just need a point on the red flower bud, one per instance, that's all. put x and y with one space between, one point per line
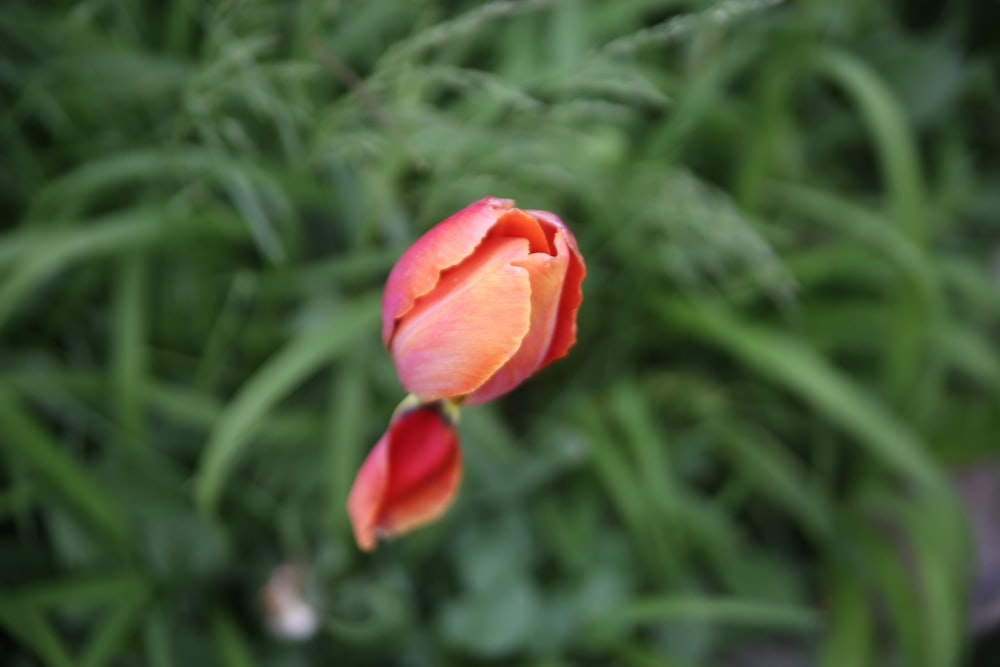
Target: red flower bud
482 301
410 477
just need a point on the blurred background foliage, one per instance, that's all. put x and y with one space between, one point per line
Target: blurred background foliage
789 213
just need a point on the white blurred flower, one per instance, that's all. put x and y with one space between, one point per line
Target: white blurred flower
286 611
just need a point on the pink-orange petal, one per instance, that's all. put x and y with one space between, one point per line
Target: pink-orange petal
564 335
410 477
444 246
518 224
454 339
364 503
547 274
552 223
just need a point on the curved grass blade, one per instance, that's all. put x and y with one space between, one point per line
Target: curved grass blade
34 446
81 591
232 647
734 612
240 179
45 254
870 228
917 310
31 628
793 364
128 362
890 130
767 465
849 638
790 362
107 640
302 357
345 436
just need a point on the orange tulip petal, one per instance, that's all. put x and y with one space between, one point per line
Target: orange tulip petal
547 274
410 477
454 339
518 224
365 499
564 334
446 245
552 223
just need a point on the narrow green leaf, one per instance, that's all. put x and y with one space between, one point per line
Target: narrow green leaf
653 476
201 411
972 283
882 552
299 359
916 311
229 642
45 254
889 128
849 638
62 197
648 446
874 231
635 655
32 444
778 476
261 226
128 362
346 428
157 640
790 362
618 479
17 498
732 612
970 352
179 26
229 319
931 592
110 635
80 591
30 627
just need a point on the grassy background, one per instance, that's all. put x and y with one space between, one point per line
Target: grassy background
789 216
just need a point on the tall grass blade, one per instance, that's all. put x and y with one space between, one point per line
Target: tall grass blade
790 362
31 628
299 359
27 440
128 365
730 612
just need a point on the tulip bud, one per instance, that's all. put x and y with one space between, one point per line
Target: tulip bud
410 477
482 301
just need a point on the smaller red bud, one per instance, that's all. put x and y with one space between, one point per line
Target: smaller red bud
410 477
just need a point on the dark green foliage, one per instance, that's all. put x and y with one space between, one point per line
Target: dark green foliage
789 215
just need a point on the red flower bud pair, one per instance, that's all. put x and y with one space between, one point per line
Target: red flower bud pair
477 305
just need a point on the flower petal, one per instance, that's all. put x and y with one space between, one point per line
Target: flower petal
564 335
454 339
446 245
410 477
547 274
364 503
518 224
423 484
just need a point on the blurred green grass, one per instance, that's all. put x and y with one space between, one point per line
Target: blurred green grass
788 338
